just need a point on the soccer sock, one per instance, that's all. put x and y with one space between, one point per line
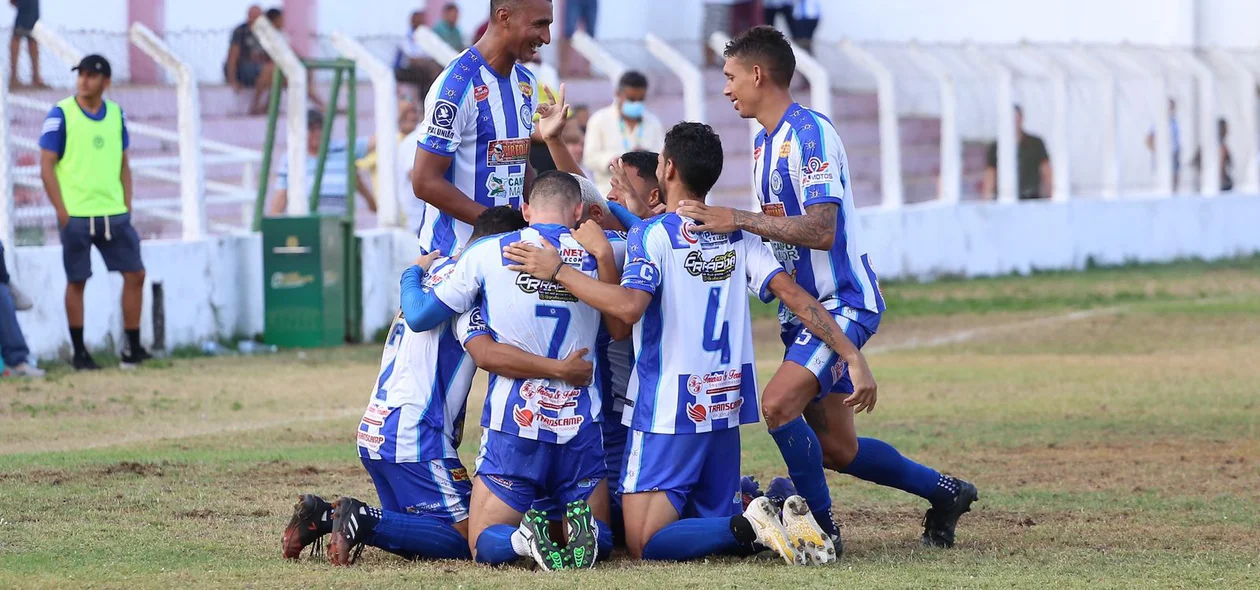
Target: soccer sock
878 462
495 545
693 538
133 340
605 539
412 535
803 455
76 339
325 524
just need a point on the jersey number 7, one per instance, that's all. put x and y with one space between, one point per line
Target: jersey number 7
561 315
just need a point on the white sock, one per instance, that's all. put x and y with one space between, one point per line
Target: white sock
519 543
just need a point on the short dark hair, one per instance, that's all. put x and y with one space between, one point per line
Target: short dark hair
632 79
497 4
497 220
274 13
450 5
314 118
642 161
767 47
696 152
555 185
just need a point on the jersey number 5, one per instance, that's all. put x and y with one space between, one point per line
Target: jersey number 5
713 341
561 315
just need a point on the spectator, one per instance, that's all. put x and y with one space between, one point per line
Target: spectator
624 126
87 177
27 14
582 116
575 141
332 189
1174 136
408 118
448 27
1036 179
411 207
262 90
412 64
246 61
772 9
580 11
805 17
13 348
1226 163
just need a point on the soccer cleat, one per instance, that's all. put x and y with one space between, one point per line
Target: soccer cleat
583 545
813 544
771 533
781 488
133 358
84 362
24 370
350 526
749 490
308 525
546 553
940 521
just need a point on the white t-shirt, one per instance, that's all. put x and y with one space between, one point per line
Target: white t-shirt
411 207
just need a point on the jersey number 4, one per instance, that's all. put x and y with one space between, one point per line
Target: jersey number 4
712 340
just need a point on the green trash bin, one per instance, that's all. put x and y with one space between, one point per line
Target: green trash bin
304 286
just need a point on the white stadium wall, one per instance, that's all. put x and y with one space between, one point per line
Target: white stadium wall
213 288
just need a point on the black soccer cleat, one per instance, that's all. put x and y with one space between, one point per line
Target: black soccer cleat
940 520
84 362
311 520
133 358
583 546
535 528
351 523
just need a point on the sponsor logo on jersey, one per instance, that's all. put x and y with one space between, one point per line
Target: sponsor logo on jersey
564 425
589 482
838 370
526 89
546 290
438 276
481 93
718 268
715 411
371 442
458 474
774 210
550 398
476 323
524 416
505 187
776 182
504 483
817 172
688 231
425 508
715 383
785 150
507 152
696 412
756 153
443 122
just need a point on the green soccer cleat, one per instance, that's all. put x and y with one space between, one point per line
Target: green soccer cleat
583 547
546 553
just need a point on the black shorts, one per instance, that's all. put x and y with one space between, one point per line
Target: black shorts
114 238
27 14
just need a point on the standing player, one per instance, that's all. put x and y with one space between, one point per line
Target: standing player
474 140
801 178
684 290
541 438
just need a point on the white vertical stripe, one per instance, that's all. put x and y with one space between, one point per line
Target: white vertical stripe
481 450
634 462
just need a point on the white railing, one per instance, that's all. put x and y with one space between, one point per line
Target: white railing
1007 168
819 80
949 188
889 129
433 45
1245 85
601 61
192 171
50 40
1210 155
295 74
6 174
1110 128
686 72
1059 147
384 93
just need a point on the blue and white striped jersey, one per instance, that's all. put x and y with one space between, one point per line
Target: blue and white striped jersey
539 317
699 313
802 163
482 121
416 411
615 357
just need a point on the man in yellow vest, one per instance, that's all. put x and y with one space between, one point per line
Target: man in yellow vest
86 175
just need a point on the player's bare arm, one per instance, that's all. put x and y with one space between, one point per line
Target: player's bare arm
816 229
430 184
48 173
592 237
511 362
626 305
126 181
820 322
553 117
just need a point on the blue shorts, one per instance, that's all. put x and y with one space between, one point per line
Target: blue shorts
698 472
519 470
439 488
806 350
614 445
114 238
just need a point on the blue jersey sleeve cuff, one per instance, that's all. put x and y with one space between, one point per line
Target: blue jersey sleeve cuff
822 200
764 293
627 219
637 286
436 151
473 334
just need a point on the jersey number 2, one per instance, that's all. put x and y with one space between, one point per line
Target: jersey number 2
561 315
712 340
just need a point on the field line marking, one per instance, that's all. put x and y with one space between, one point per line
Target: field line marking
968 334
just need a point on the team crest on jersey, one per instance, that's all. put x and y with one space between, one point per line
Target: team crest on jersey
776 182
526 90
527 116
546 290
688 232
817 172
508 152
476 323
481 93
785 150
718 268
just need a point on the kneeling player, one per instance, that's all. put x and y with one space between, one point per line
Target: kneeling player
686 288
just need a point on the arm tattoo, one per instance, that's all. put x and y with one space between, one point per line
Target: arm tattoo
816 229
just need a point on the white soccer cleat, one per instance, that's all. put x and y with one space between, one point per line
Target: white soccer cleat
764 518
810 541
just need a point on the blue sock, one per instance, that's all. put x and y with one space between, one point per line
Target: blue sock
605 539
878 462
692 538
494 546
413 535
803 454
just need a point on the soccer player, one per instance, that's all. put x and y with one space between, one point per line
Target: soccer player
802 180
474 139
541 438
694 382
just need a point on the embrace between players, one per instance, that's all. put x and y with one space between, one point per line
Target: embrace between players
641 443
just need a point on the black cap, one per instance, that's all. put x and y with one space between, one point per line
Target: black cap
93 64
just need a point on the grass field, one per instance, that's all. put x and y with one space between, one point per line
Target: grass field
1109 419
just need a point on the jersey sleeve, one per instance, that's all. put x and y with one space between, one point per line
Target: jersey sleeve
760 264
618 241
471 325
643 256
447 113
53 135
462 288
822 176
